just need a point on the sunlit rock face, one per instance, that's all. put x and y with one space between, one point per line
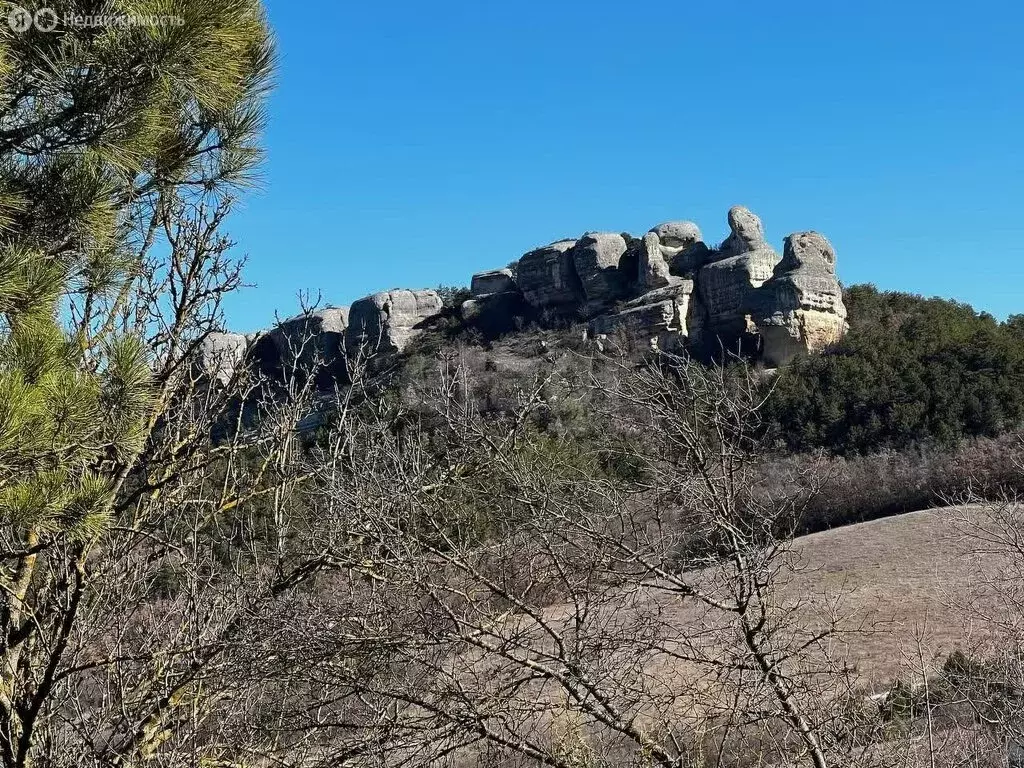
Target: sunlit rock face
728 283
800 308
220 354
388 321
654 270
598 260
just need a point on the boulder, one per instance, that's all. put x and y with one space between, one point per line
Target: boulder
682 247
660 317
800 309
387 321
492 281
470 310
654 270
728 283
547 277
746 233
676 237
677 245
313 342
220 355
597 260
678 234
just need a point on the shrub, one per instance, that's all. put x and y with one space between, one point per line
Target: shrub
911 371
857 489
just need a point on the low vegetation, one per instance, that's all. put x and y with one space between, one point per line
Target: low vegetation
911 372
517 552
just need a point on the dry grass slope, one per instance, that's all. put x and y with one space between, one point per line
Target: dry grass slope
899 577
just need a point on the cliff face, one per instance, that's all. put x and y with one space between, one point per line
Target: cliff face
677 293
668 288
801 307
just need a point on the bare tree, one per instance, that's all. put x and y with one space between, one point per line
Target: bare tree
529 605
982 695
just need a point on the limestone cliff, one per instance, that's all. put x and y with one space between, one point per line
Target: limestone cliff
801 306
668 289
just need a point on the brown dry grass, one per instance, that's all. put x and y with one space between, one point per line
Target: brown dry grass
897 578
905 584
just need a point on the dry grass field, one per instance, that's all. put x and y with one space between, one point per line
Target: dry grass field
909 590
899 579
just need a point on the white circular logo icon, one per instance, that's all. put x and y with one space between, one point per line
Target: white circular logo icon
46 20
19 19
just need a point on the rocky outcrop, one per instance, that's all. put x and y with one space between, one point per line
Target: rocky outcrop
220 354
597 259
497 303
661 317
728 283
682 247
547 277
492 281
320 333
319 343
654 270
495 313
800 309
677 236
668 289
746 233
672 248
670 285
386 322
309 343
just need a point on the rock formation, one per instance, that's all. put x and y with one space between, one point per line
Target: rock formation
682 246
597 258
728 282
668 289
494 281
220 354
547 277
386 322
661 316
306 338
801 306
654 269
497 302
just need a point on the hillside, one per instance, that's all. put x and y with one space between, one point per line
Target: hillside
918 572
905 600
663 498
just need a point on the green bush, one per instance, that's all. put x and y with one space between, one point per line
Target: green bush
911 371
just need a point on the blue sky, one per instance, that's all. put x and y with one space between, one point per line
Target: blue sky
414 143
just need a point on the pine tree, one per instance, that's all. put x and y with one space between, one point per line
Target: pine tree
119 148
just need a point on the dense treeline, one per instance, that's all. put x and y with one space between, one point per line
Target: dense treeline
911 371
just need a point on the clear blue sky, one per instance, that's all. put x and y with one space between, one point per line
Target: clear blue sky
413 143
